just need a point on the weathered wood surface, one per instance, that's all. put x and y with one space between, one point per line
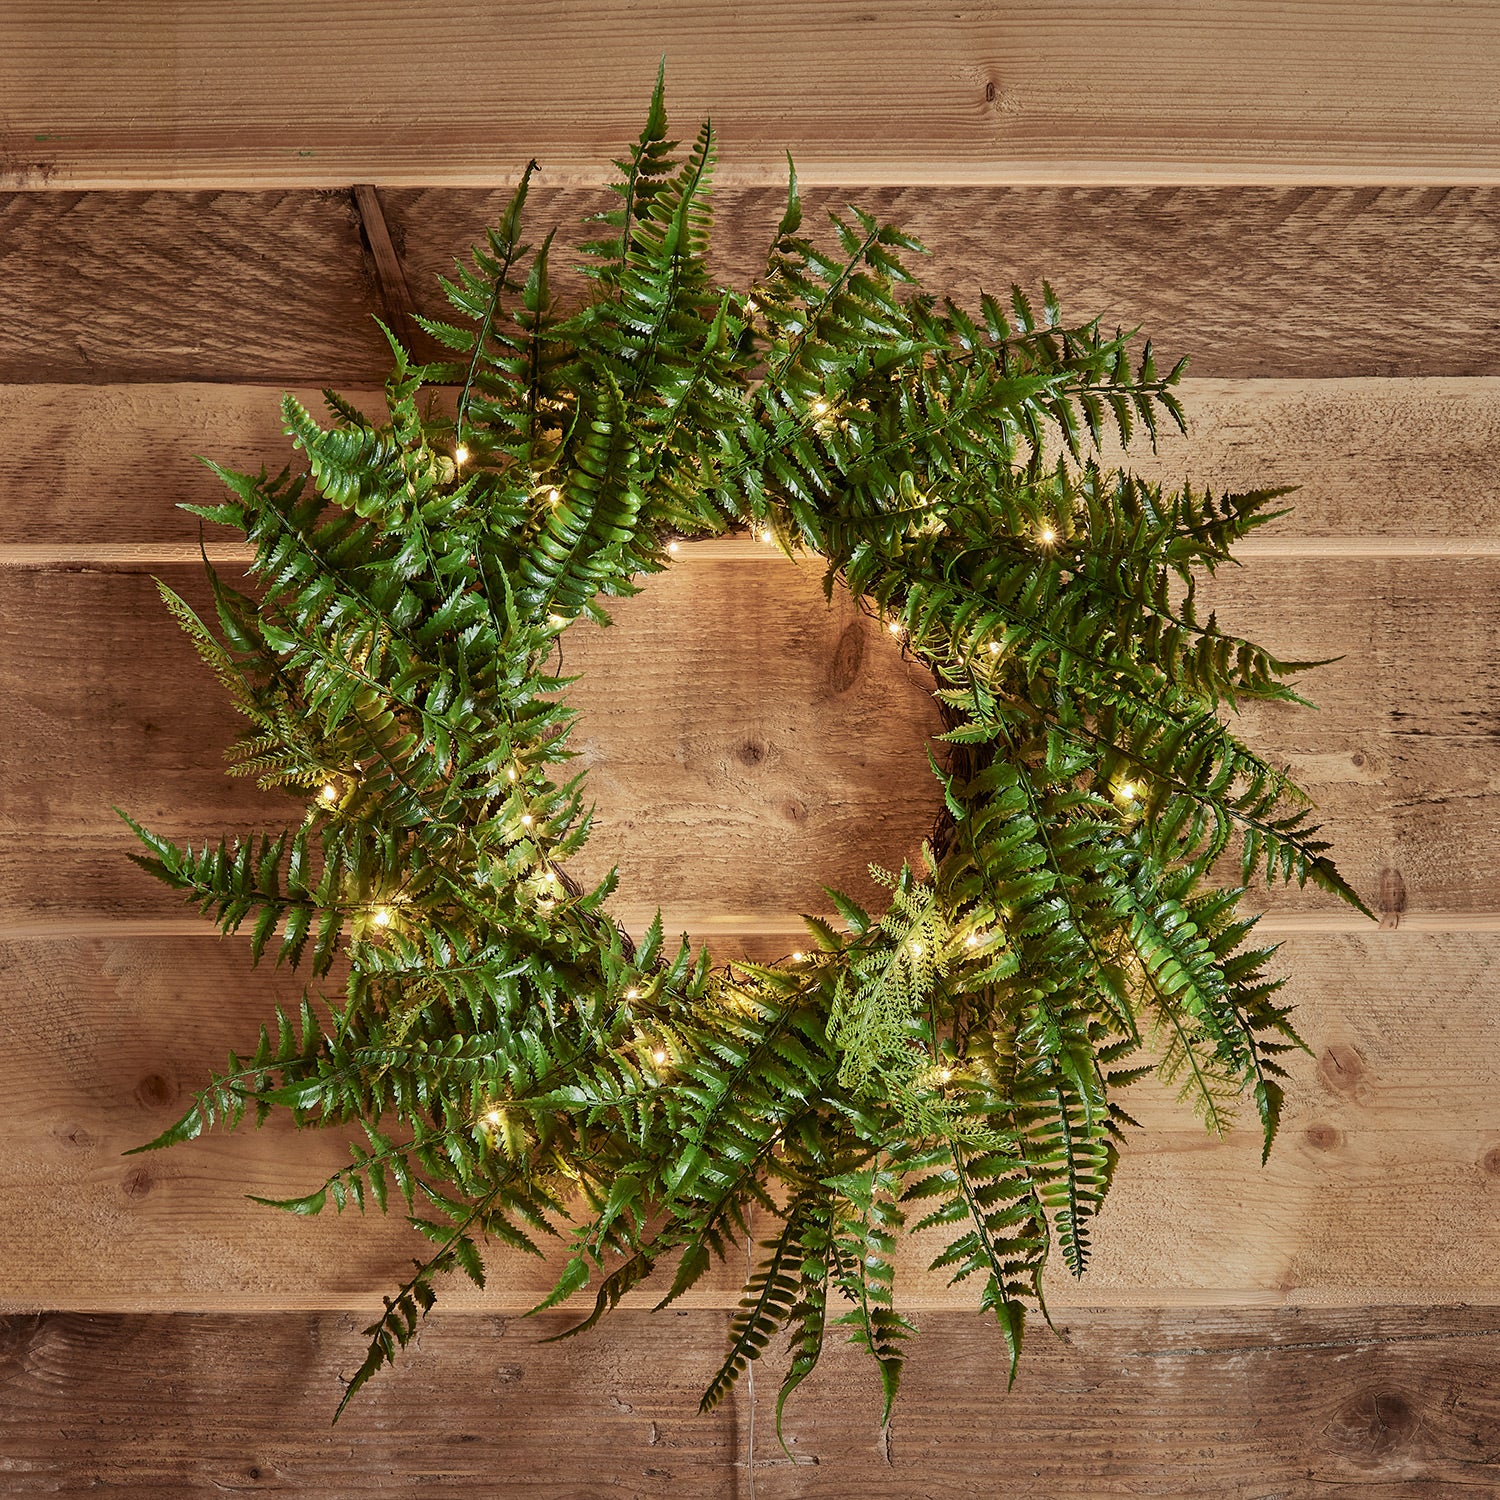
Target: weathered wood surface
1393 1118
731 714
1143 92
1383 464
1385 1181
277 287
810 761
1234 1404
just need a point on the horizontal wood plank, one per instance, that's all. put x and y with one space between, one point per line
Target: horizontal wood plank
751 727
1240 1405
1400 466
277 287
731 713
276 93
1393 1116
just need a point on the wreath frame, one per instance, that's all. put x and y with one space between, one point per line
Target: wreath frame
507 1048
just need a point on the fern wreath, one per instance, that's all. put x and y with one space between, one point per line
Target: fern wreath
519 1066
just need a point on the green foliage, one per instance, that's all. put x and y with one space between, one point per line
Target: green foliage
519 1067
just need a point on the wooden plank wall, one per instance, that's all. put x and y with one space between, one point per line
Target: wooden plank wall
1304 202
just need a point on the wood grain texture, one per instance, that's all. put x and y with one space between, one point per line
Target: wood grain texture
249 1400
102 287
1238 1405
271 92
732 724
1141 156
746 728
1387 464
106 1039
1307 282
276 286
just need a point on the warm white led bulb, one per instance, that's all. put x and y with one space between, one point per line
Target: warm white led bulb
382 917
994 648
672 547
526 820
1047 535
632 994
894 627
944 1074
916 947
820 408
971 941
554 495
766 535
658 1057
798 957
330 793
460 454
1127 790
510 775
492 1119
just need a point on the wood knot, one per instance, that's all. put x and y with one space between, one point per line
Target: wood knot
17 1332
1341 1068
990 91
794 811
76 1135
848 658
154 1091
1357 759
1490 1161
1323 1137
136 1183
1374 1423
750 752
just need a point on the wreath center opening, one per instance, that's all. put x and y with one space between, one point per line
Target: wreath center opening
747 743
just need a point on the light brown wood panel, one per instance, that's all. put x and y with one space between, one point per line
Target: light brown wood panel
718 718
277 93
1393 1116
1229 1403
277 287
809 761
1380 462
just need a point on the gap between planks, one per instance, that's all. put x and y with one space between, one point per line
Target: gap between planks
459 1301
636 920
813 172
107 556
